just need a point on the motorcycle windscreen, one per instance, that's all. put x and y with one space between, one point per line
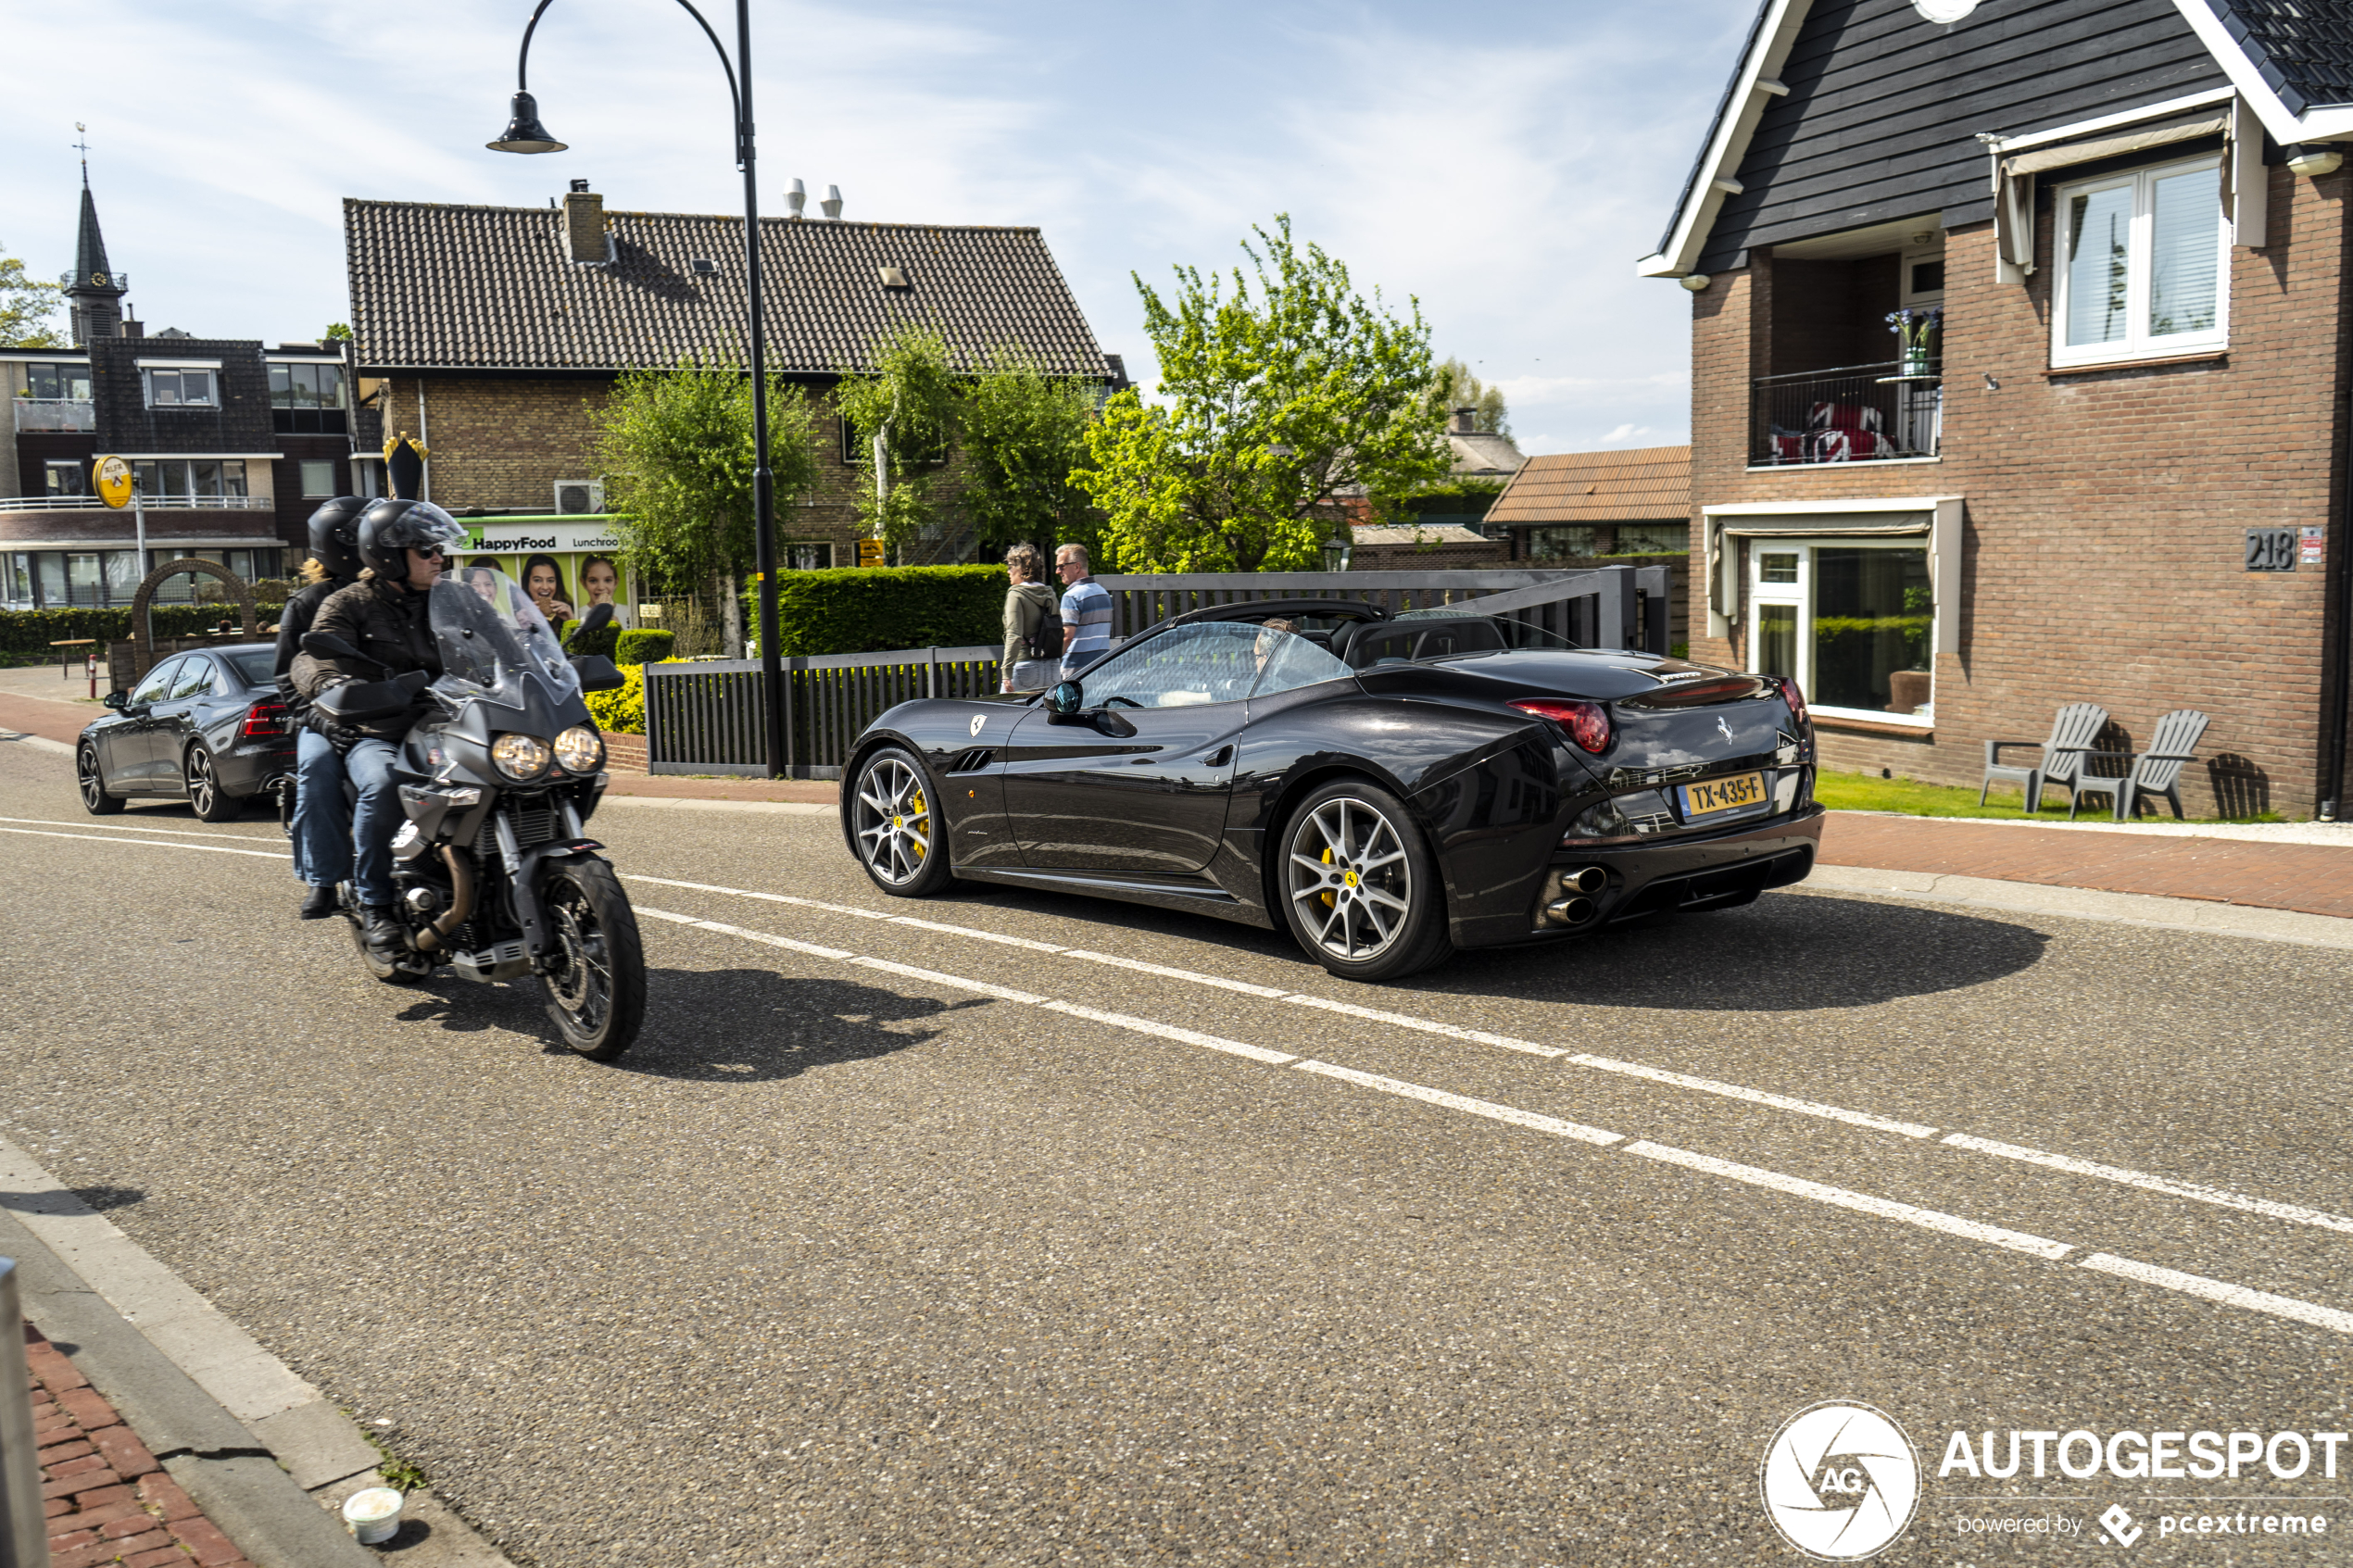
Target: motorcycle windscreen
491 635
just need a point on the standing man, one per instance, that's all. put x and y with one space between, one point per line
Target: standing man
1086 611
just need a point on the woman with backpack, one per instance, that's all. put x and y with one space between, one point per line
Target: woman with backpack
1033 647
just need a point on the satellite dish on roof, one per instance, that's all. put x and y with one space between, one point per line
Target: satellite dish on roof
1945 13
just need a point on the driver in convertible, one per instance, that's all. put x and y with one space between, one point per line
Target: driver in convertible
382 615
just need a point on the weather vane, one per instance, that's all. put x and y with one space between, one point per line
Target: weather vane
84 145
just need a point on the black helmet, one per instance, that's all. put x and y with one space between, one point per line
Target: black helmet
334 536
389 529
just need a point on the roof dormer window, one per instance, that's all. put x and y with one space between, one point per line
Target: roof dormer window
182 387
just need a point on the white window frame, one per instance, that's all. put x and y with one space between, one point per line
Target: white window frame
1801 593
2136 344
147 385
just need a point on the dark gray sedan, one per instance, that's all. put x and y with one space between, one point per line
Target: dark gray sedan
206 727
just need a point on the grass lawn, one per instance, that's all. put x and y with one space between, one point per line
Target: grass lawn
1864 792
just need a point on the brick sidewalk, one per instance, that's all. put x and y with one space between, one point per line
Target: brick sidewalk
51 720
2310 878
107 1500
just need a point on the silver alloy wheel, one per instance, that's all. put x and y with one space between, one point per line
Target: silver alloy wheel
201 783
583 986
893 821
1351 881
94 787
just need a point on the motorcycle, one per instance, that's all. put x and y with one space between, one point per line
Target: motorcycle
494 873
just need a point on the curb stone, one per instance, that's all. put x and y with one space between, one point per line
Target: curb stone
265 1454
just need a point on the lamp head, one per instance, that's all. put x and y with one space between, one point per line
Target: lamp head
523 133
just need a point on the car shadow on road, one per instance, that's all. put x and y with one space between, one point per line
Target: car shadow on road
716 1027
1782 954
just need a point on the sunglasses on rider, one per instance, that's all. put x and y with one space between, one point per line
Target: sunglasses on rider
431 552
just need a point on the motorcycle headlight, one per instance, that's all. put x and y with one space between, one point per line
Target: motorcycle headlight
519 756
580 749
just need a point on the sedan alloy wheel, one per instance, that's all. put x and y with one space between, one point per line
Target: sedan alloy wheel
92 781
210 802
1360 890
892 823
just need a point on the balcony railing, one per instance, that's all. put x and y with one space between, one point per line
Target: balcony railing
38 414
1849 414
152 503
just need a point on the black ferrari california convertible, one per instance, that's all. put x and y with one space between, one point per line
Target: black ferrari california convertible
1388 788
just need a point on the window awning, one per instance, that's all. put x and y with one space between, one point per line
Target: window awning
1723 593
2014 176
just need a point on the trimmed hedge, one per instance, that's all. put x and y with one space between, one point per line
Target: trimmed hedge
644 645
575 641
868 609
31 630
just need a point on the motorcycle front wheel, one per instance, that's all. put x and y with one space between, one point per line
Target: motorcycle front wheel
596 992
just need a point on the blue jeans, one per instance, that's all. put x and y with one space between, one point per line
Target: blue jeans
375 819
322 824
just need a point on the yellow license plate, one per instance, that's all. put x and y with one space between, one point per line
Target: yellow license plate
1723 795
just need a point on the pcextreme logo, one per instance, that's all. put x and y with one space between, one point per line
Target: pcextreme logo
1841 1481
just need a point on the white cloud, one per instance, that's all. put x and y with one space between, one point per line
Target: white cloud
1505 169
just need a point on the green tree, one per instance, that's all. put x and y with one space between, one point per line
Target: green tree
1024 431
1459 388
675 448
910 402
337 331
28 309
1279 401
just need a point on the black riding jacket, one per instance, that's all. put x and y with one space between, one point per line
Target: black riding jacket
387 623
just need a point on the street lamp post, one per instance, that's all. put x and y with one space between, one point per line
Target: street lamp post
526 134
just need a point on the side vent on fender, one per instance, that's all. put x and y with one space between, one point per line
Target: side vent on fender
974 760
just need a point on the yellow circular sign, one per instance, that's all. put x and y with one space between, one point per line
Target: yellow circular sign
112 478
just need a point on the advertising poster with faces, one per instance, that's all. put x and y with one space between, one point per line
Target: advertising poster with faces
567 569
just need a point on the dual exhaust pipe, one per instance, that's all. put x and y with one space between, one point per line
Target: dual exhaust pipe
1575 905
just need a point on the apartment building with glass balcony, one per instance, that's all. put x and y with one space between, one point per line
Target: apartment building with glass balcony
233 442
2021 377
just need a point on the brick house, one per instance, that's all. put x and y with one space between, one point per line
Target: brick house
235 443
2116 473
490 334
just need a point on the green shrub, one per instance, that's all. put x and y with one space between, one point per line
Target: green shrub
576 641
622 710
31 630
646 645
869 609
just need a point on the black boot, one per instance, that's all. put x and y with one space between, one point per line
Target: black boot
319 902
384 938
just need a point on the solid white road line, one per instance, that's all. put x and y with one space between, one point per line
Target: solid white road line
1170 1031
811 948
95 825
2294 1213
1486 1107
2218 1291
1757 1096
154 843
1427 1026
1886 1208
2223 1292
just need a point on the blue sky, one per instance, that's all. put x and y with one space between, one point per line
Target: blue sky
1507 164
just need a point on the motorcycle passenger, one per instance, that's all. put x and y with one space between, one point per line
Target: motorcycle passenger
385 617
321 828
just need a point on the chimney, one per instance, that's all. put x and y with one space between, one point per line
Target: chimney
584 225
832 203
1466 421
133 327
797 198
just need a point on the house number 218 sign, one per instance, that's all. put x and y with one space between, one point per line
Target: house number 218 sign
2270 550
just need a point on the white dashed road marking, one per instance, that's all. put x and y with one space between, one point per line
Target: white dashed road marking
156 844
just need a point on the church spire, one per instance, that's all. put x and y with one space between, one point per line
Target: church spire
94 289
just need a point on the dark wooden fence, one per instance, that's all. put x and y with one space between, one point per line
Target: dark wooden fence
705 717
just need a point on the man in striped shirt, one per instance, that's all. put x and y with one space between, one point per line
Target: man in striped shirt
1086 611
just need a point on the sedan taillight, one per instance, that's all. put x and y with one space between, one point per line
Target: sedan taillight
264 720
1586 723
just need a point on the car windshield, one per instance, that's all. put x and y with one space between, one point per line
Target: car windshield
254 666
489 631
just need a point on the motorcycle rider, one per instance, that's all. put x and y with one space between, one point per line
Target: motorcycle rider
385 616
321 831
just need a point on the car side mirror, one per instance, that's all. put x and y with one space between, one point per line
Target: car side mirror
596 672
116 700
326 644
1065 703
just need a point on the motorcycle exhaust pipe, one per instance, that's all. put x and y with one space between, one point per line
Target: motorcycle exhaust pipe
461 901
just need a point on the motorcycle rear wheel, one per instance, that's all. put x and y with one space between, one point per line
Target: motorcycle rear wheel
597 996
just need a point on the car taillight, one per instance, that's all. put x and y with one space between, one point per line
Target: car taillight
1586 723
1790 695
263 721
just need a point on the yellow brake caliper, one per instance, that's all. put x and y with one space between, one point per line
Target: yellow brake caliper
915 808
1328 898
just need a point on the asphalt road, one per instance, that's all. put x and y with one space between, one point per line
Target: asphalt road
844 1264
